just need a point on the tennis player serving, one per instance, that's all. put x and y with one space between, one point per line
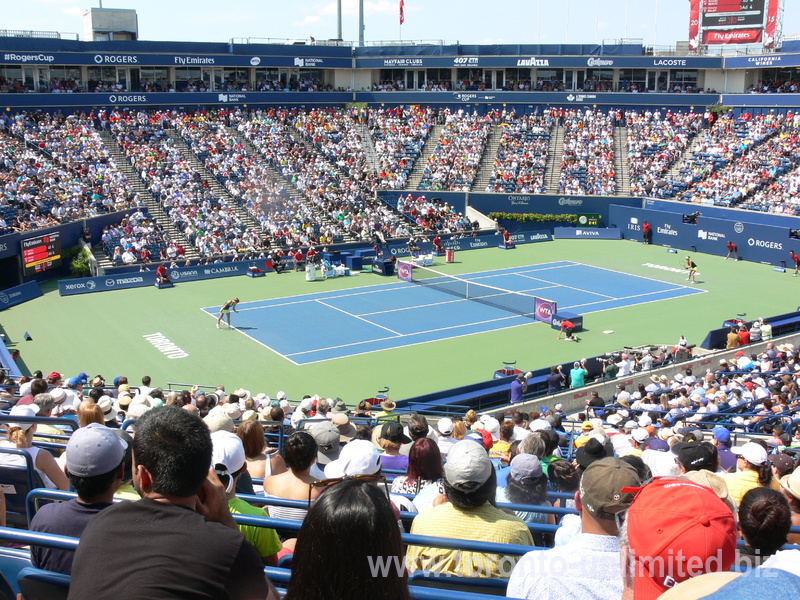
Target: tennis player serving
226 309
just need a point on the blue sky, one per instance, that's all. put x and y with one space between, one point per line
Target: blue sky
465 21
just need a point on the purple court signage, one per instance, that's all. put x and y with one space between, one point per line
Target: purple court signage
404 270
545 309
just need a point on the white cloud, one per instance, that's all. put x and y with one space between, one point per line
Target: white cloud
308 20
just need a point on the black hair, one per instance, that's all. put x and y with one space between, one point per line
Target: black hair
642 470
417 427
175 447
529 491
350 525
96 393
765 519
38 386
564 476
363 432
299 451
478 497
146 380
127 458
89 488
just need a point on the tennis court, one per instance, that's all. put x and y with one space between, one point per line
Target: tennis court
337 324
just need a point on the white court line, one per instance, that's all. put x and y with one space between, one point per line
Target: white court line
359 318
638 303
571 287
259 342
405 335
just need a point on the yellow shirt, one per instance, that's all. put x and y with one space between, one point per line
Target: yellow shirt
741 482
485 524
127 492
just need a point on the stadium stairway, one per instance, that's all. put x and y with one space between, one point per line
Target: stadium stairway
552 169
675 169
298 137
220 190
621 161
369 148
430 144
153 206
293 192
486 166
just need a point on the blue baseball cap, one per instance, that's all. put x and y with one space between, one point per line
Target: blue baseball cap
722 434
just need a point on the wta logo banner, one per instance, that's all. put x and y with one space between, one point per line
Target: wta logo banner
405 271
545 309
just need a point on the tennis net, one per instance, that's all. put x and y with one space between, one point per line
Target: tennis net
515 302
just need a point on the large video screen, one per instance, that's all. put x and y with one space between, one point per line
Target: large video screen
41 252
733 13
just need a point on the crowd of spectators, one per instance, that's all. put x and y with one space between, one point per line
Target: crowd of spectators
755 169
55 169
587 163
728 139
594 482
398 135
454 162
210 224
137 238
344 200
434 216
773 87
655 142
522 155
286 222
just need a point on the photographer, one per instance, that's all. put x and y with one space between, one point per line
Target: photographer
556 380
644 360
610 368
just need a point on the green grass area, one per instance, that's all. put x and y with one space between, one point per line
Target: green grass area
104 332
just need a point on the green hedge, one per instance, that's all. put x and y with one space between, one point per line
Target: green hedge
534 217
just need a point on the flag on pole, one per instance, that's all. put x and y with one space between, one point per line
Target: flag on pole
402 12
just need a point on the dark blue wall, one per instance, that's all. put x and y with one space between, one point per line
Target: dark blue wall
767 244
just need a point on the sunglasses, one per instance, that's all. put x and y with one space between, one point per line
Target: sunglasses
324 484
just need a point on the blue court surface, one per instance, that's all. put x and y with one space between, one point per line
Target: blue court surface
342 323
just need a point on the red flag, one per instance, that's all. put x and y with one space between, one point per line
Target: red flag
694 24
771 25
402 12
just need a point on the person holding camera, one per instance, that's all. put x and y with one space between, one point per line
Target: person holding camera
556 380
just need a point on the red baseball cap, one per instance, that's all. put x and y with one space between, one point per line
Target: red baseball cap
677 529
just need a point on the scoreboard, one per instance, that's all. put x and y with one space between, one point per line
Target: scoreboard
733 13
41 252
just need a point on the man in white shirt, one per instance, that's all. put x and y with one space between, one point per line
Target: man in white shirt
588 565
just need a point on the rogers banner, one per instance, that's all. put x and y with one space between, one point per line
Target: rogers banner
772 23
732 36
694 24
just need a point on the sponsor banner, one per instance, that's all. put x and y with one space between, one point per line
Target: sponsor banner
172 60
68 287
180 274
610 233
694 24
756 242
404 270
19 294
771 24
9 245
767 60
545 309
472 243
732 36
538 62
105 283
577 320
